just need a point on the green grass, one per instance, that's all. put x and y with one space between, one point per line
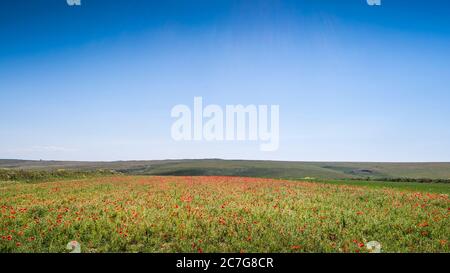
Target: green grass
250 168
218 214
33 176
443 188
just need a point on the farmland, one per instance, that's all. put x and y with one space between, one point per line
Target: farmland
248 168
123 213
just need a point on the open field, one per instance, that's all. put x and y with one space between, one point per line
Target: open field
31 176
249 168
443 188
218 214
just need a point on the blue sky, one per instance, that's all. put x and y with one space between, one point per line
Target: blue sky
98 81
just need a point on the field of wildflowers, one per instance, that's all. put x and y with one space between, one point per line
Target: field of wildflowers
218 214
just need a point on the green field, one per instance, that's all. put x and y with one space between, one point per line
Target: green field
305 207
218 214
270 169
443 188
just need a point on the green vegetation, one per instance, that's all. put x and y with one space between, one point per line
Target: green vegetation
433 187
423 177
269 169
218 214
29 176
217 207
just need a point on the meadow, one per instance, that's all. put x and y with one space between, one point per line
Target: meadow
218 214
420 172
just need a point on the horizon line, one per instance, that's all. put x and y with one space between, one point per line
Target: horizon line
266 160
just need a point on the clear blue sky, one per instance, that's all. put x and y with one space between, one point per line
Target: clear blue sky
97 82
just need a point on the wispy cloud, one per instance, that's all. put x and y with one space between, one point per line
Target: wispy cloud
40 149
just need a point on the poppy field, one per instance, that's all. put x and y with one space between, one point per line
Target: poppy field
218 214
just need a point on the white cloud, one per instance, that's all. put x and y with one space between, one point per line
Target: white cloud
40 149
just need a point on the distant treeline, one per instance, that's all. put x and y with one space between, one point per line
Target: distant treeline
49 175
405 179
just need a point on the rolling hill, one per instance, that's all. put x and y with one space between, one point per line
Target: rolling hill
274 169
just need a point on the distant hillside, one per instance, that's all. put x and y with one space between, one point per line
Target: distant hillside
276 169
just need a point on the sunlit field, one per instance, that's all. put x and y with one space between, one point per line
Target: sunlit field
218 214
